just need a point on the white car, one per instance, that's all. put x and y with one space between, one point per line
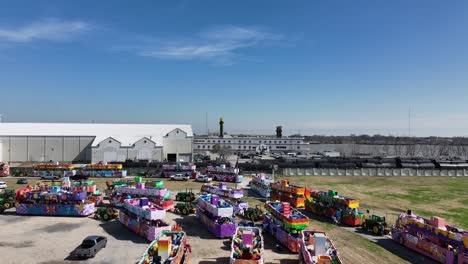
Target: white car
203 178
3 185
180 177
50 177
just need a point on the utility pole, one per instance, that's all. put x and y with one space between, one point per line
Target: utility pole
206 123
409 121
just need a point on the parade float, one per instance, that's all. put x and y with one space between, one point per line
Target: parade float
167 171
154 191
224 174
103 169
317 248
284 223
4 169
285 192
52 201
232 196
260 184
333 206
432 238
247 246
54 169
217 215
77 183
221 189
143 217
169 247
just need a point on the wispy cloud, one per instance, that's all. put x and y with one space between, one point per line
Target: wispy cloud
47 29
221 44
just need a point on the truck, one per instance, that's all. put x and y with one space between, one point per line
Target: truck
180 177
377 224
90 247
203 178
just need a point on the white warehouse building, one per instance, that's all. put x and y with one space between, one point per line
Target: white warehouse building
20 142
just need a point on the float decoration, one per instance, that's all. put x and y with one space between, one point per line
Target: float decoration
143 217
285 192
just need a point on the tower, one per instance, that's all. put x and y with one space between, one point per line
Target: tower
279 131
221 127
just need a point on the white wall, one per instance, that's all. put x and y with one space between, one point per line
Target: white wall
177 142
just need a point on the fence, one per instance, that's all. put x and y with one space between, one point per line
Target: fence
371 172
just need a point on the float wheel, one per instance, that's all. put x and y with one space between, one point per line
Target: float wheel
375 229
185 211
188 199
7 205
17 204
106 216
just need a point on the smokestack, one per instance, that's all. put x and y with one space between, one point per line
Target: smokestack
279 131
221 127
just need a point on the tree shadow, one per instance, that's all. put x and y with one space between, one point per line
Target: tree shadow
402 251
118 231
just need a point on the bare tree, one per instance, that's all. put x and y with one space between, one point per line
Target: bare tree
222 151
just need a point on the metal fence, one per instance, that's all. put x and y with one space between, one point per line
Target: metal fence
371 172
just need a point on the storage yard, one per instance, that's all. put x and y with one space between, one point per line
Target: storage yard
41 239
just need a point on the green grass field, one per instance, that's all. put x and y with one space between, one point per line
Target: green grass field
442 196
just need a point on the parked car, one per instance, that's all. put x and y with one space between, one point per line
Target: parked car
22 181
203 178
90 247
180 177
50 177
3 185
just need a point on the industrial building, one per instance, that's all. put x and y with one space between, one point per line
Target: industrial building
249 144
20 142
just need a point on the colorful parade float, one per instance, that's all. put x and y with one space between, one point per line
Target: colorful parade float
103 169
224 174
154 191
432 238
247 246
317 248
285 192
233 196
52 201
169 247
333 206
221 189
284 223
83 184
217 215
168 170
54 169
144 218
261 184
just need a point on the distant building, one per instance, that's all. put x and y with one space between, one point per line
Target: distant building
86 143
250 143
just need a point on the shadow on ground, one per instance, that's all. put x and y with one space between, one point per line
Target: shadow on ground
223 260
117 230
193 227
403 252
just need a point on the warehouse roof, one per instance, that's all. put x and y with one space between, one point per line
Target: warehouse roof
126 134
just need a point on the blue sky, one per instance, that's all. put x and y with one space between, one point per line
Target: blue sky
318 67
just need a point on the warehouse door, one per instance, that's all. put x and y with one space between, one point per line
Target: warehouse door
172 157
